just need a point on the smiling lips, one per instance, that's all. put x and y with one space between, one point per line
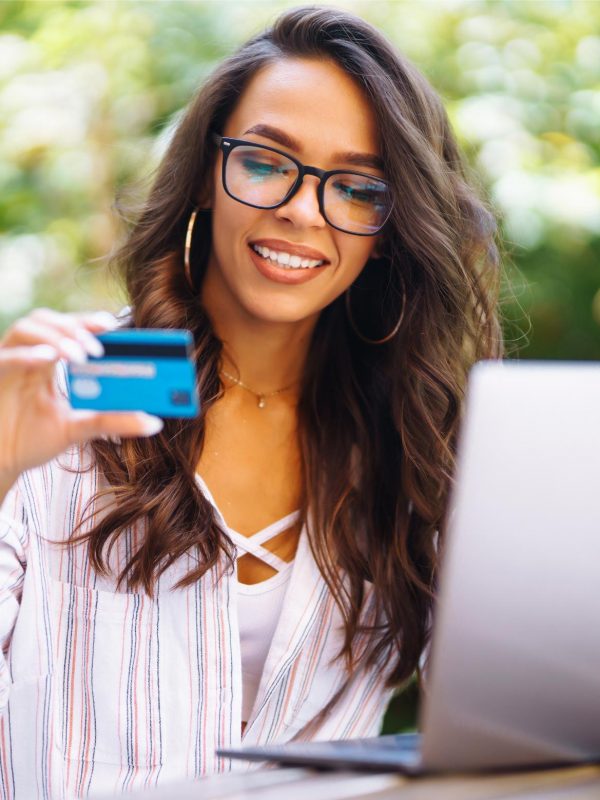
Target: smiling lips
287 255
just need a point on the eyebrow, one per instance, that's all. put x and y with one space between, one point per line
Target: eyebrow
353 157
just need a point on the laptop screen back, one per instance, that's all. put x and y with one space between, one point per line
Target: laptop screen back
515 669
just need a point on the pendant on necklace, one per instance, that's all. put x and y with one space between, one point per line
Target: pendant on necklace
261 401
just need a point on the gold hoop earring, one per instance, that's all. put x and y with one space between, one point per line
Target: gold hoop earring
188 247
390 335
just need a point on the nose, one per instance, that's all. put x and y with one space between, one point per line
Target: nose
302 209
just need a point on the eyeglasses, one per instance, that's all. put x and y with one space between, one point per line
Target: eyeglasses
265 177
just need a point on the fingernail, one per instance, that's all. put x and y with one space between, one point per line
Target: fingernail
92 345
73 350
44 352
106 319
151 425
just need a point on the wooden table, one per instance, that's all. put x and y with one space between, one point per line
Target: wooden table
572 783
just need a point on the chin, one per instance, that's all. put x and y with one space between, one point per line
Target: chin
282 319
276 313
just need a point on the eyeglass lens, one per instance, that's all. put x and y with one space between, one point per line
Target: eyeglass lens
263 178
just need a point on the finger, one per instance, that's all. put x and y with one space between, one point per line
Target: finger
71 327
84 425
27 331
23 358
97 321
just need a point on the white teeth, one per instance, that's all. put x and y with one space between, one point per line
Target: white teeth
286 260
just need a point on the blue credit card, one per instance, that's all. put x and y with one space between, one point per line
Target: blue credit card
149 369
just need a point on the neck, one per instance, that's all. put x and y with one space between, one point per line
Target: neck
267 356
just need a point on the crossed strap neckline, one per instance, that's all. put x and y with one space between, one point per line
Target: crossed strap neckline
253 544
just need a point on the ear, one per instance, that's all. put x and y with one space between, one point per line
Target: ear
204 199
206 195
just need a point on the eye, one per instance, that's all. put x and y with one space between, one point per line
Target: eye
360 193
257 167
264 168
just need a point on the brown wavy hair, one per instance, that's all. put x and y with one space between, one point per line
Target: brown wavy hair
377 424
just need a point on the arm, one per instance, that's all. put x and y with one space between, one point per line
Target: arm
13 559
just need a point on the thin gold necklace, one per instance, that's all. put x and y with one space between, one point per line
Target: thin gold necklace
261 397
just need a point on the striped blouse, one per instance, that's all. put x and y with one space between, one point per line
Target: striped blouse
104 691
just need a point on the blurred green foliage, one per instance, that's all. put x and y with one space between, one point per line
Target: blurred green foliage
90 91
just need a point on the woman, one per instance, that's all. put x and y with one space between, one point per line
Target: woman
267 568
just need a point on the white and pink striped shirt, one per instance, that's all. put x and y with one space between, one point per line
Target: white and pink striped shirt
104 691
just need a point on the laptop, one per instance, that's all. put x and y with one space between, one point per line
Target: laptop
514 677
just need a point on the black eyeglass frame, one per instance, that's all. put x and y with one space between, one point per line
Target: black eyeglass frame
227 144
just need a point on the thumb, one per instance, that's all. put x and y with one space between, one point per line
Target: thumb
84 425
13 359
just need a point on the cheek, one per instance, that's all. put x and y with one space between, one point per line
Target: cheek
229 219
354 255
226 215
222 216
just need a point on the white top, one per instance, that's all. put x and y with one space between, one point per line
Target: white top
104 691
260 605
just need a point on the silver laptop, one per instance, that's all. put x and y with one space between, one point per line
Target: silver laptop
515 667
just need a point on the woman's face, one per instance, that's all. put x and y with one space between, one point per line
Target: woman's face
313 110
